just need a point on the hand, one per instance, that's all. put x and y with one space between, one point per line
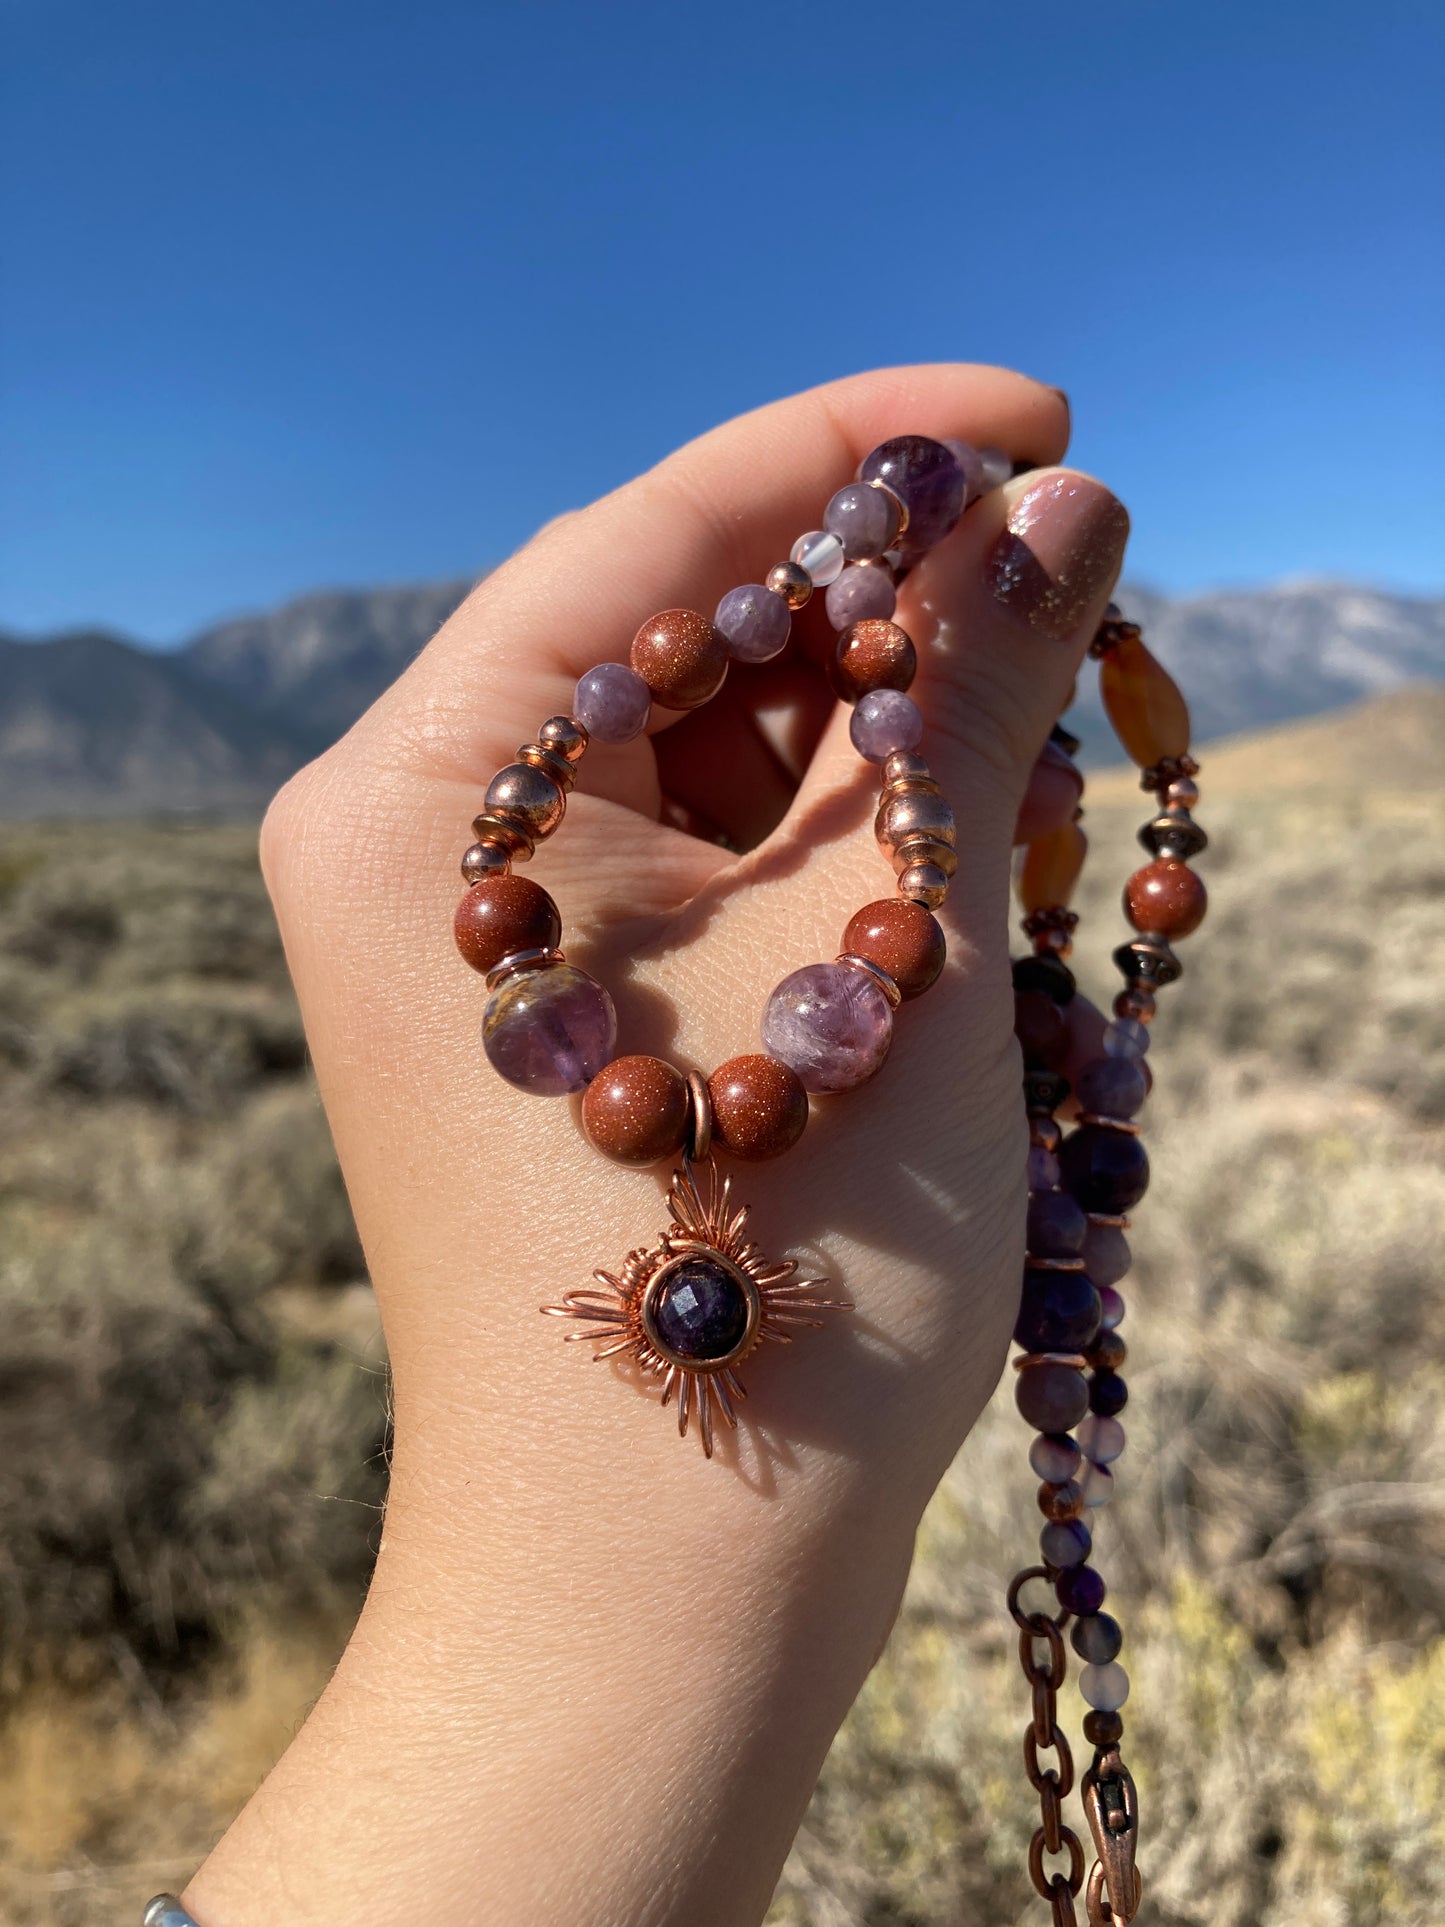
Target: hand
596 1675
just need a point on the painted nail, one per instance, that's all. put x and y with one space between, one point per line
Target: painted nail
1059 552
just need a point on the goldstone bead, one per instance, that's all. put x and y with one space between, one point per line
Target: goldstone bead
635 1110
759 1107
1166 899
681 657
502 914
1106 1687
527 797
871 655
900 938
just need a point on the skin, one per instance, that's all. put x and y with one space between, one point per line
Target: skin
596 1675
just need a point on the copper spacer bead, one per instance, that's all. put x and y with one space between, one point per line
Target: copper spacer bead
905 766
925 849
485 860
1062 1501
489 827
564 736
792 582
914 814
870 969
898 502
1053 943
519 960
923 883
1182 793
538 756
528 797
698 1141
1138 1001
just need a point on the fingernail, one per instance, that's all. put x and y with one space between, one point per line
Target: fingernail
1057 757
1059 552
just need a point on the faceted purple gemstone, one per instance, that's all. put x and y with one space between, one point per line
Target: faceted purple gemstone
754 622
971 462
1106 1254
549 1031
926 479
612 702
831 1024
1068 1542
1081 1590
1057 1225
884 722
1107 1171
1059 1312
1112 1086
700 1310
864 519
861 595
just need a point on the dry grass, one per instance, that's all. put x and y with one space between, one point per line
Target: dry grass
192 1420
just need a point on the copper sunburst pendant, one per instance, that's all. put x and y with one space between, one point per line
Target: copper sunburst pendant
690 1308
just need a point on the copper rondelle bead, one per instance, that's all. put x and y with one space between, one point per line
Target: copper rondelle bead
792 582
869 655
902 938
1165 899
484 860
635 1110
501 914
681 657
759 1107
1060 1502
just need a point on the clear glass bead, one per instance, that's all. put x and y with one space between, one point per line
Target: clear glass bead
821 554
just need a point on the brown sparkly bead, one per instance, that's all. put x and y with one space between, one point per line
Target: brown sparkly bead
681 657
900 937
1060 1502
527 797
1144 703
1052 865
792 582
635 1110
759 1107
1165 899
501 914
1103 1729
1040 1027
871 655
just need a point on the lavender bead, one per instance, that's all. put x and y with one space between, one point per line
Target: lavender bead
1055 1457
971 462
1057 1226
831 1024
1066 1544
612 702
1101 1440
995 469
884 722
926 479
1106 1687
821 554
1043 1169
753 622
1111 1309
1106 1254
1126 1037
549 1031
861 595
864 519
1112 1086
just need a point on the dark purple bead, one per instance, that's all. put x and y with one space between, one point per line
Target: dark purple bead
1108 1394
1105 1170
926 479
1111 1308
1057 1225
699 1310
1097 1638
1068 1543
1112 1086
1053 1398
1080 1590
1059 1312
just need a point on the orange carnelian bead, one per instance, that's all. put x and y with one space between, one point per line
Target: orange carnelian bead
1143 701
1051 869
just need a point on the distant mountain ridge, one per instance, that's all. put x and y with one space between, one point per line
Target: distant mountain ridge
93 724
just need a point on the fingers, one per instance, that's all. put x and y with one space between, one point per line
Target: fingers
1054 787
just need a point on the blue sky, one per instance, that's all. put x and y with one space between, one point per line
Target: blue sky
328 291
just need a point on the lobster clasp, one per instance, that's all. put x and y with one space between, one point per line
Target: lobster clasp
1111 1806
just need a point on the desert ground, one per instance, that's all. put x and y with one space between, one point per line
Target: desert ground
194 1412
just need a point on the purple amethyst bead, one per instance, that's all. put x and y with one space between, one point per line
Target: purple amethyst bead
995 469
549 1031
884 722
753 622
831 1024
1057 1225
1106 1254
612 702
1059 1312
926 479
1107 1171
864 519
1080 1590
700 1310
861 595
971 462
1112 1086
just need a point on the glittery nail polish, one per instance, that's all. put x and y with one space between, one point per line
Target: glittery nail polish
1059 552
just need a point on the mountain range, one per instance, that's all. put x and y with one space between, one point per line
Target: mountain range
91 723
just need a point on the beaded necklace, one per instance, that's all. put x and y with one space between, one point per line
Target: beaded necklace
690 1308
